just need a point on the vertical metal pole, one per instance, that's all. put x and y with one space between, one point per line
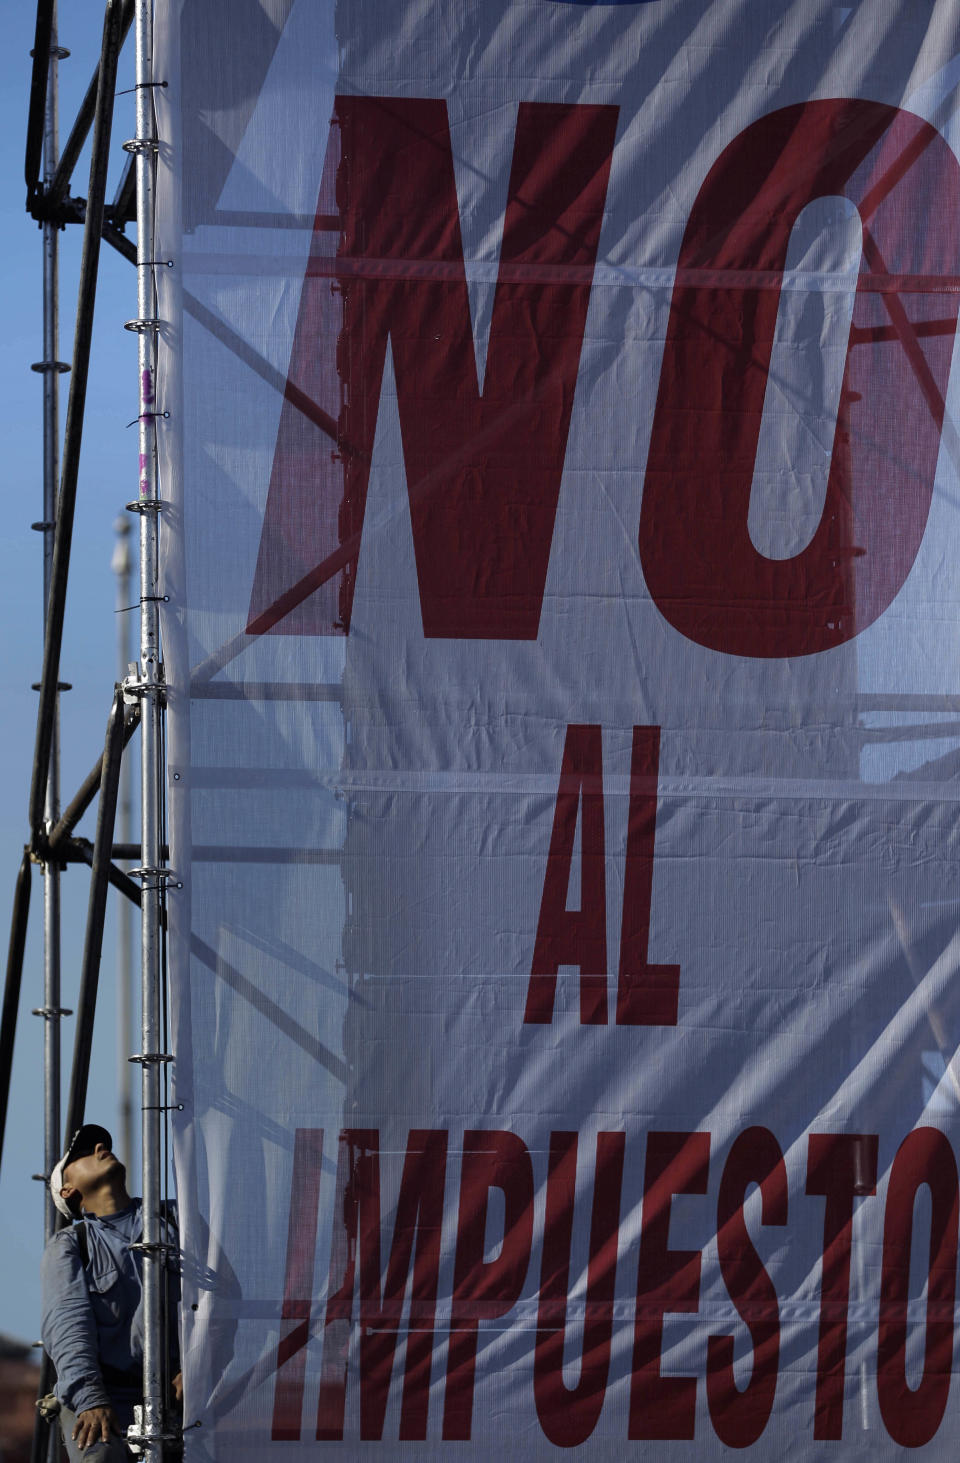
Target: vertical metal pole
151 692
51 473
46 1441
121 567
73 434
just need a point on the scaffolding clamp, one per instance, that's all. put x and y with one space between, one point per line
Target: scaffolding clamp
141 1247
160 875
135 686
138 1435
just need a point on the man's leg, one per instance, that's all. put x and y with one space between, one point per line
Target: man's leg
116 1451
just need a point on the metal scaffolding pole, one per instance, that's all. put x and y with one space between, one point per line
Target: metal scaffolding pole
73 433
150 689
50 367
11 989
45 1440
44 40
121 565
47 176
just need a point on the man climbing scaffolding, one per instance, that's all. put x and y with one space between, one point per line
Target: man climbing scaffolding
92 1325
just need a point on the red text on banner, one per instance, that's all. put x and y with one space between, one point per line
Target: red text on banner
483 468
739 1417
298 1284
668 1281
378 1311
574 936
841 1167
568 1415
485 1289
912 1414
700 564
647 995
356 1255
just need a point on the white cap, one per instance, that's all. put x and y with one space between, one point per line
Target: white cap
86 1138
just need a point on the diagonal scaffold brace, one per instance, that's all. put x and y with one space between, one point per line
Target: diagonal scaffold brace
11 989
96 912
59 841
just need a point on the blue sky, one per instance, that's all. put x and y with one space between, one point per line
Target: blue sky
108 479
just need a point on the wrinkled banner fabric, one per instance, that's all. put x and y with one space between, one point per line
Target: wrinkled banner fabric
562 546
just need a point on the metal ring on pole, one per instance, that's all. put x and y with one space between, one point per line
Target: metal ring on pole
139 326
142 1438
160 875
145 505
51 1013
142 145
134 688
58 366
146 1059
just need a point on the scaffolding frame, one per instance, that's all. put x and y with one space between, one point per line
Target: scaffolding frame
137 698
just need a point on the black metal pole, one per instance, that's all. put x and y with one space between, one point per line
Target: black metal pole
96 910
11 989
38 98
87 790
74 427
41 1443
72 148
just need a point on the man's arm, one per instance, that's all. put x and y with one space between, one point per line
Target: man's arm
68 1327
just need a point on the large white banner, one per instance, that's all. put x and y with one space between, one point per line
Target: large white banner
562 543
